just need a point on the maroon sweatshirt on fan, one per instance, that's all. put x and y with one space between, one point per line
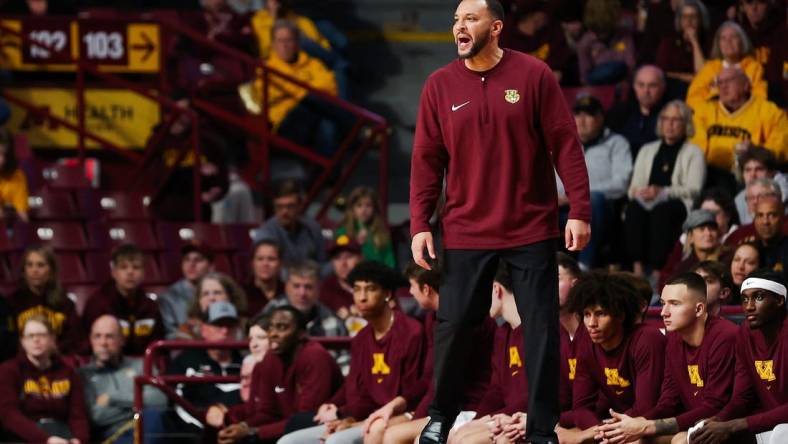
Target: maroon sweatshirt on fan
278 391
508 389
138 314
28 394
761 382
71 337
629 376
382 369
698 380
496 136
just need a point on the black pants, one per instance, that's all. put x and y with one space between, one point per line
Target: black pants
651 234
465 302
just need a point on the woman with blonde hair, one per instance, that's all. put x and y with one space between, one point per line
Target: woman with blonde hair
731 47
41 397
363 222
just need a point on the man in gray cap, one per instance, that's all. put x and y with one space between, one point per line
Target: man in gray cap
703 243
219 324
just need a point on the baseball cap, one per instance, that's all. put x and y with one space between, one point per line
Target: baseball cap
195 246
700 217
220 311
343 243
588 104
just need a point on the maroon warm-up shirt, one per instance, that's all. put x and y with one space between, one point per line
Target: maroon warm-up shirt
496 137
508 389
569 348
28 394
138 314
698 380
761 380
381 370
629 376
279 391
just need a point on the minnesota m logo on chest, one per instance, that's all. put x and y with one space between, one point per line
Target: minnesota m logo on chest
694 376
765 370
612 377
379 366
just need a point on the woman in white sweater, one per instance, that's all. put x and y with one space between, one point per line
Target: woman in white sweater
668 174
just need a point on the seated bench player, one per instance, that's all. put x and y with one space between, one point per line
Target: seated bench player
759 404
385 360
297 375
622 364
698 367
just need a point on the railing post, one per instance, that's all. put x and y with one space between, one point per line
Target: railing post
139 429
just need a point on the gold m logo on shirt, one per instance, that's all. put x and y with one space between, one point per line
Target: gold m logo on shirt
765 370
43 387
379 366
611 374
572 368
514 358
694 375
55 318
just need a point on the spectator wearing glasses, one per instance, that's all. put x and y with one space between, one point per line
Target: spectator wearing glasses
757 163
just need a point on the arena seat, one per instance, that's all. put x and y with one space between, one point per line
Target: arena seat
60 236
53 204
79 295
65 177
107 235
240 235
71 270
174 235
114 205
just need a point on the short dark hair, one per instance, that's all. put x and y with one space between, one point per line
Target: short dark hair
374 271
126 252
288 187
692 280
285 24
504 277
723 199
613 293
10 165
268 242
495 7
431 278
569 264
718 270
758 154
298 317
261 320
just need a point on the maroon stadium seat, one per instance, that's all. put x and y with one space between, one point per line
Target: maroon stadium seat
108 235
60 236
65 177
49 204
71 270
174 235
240 235
79 295
115 205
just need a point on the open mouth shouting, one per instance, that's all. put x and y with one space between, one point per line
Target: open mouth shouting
464 42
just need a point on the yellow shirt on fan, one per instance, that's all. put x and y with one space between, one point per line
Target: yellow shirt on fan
703 86
758 121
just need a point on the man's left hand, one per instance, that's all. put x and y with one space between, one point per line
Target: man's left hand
233 433
577 234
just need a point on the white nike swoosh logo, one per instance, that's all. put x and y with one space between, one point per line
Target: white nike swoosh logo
456 107
278 389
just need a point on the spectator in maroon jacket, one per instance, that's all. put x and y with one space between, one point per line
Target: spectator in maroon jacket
624 361
386 358
297 376
265 283
682 52
760 397
124 298
40 293
40 396
698 366
335 292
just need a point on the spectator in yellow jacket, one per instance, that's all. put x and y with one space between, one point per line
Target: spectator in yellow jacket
726 128
263 23
731 47
13 183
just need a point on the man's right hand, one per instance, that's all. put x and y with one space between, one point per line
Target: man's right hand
420 242
326 413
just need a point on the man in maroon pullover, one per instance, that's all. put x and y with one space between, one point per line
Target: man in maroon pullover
297 376
698 367
124 298
494 126
759 404
385 362
622 364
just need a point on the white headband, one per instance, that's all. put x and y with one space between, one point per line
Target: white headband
764 284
